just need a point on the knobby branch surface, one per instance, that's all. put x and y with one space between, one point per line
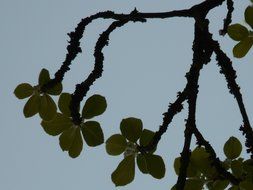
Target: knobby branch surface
203 47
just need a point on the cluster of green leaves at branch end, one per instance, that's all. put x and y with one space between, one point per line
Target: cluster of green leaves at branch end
201 172
60 123
133 136
242 34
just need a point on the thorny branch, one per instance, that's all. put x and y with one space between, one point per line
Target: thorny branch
203 47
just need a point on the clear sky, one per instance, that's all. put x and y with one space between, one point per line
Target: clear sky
144 68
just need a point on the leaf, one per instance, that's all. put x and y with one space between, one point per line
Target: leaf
47 108
77 144
43 77
236 167
195 184
32 106
57 125
63 103
242 48
55 90
156 166
191 170
246 185
200 160
248 166
116 145
124 173
177 165
95 105
232 148
237 32
67 137
220 184
131 128
92 133
248 15
142 163
23 90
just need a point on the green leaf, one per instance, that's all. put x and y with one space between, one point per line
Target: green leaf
156 165
47 108
124 173
77 144
191 170
246 185
200 160
23 90
57 125
193 184
248 15
32 106
95 105
242 48
63 103
92 133
67 137
116 145
146 138
177 164
55 90
131 128
237 32
43 77
234 188
142 163
236 167
248 167
220 184
232 148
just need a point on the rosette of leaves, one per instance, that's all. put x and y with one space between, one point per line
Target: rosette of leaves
39 102
201 172
70 138
132 136
241 34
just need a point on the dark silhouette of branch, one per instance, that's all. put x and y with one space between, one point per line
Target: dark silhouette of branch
226 68
74 44
82 89
228 19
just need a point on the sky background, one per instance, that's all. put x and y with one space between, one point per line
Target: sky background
144 69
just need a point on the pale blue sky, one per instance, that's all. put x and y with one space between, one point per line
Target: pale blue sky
144 68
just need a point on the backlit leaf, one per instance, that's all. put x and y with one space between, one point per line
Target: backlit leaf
237 32
232 148
124 173
77 144
43 77
242 48
155 165
55 90
95 105
32 106
191 170
131 128
57 125
67 137
220 184
63 103
248 14
236 167
246 185
47 108
23 90
142 163
116 144
193 184
92 133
